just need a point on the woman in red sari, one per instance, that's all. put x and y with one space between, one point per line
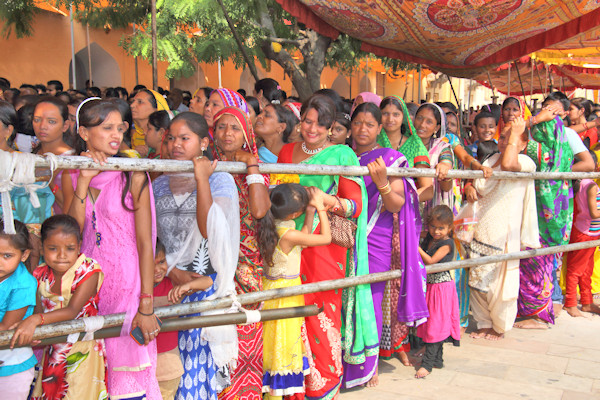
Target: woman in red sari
234 141
344 197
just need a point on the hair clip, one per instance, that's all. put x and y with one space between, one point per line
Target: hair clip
347 116
275 102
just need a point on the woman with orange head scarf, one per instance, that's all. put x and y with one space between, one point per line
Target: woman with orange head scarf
512 107
234 141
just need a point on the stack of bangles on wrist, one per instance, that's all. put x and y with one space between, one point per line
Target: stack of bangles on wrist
254 178
385 189
532 121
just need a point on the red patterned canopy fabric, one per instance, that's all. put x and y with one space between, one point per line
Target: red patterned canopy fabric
460 37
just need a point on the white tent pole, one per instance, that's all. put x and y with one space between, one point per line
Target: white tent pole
73 74
87 28
219 66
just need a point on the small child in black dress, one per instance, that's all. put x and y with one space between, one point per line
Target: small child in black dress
442 300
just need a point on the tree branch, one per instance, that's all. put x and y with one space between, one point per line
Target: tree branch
251 65
285 41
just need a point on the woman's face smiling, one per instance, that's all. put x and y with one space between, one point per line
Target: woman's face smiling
426 124
314 134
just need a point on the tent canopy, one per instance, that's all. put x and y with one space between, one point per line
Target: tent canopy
459 37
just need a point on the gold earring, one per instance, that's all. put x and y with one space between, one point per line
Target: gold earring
330 133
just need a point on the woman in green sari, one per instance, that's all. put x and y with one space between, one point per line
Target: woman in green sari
398 133
347 327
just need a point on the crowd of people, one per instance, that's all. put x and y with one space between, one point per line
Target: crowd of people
83 243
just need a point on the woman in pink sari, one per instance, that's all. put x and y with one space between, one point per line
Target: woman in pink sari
116 213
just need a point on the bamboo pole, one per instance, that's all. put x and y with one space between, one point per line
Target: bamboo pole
491 83
141 164
520 81
178 324
75 326
509 82
542 87
460 114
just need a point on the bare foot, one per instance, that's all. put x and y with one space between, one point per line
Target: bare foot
493 335
530 323
403 357
463 329
557 309
593 308
374 380
479 333
421 373
420 352
574 311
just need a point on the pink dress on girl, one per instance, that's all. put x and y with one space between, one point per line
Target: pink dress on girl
109 237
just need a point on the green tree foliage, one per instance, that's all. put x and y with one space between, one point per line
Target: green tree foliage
193 31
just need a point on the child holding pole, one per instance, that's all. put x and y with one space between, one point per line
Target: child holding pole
442 300
17 299
68 285
280 245
580 263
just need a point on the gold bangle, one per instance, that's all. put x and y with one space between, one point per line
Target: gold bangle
384 187
388 190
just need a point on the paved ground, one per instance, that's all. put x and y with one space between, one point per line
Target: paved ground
561 363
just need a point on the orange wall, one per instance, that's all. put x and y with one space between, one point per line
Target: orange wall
47 53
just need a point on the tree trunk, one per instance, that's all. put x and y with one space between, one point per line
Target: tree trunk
313 50
314 54
313 47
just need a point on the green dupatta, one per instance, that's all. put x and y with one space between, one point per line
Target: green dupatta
413 148
359 329
554 198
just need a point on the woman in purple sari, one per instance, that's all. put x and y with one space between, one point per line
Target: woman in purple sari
391 246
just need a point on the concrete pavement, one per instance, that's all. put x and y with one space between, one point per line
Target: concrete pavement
561 363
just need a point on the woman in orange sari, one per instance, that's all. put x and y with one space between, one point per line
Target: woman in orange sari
234 141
